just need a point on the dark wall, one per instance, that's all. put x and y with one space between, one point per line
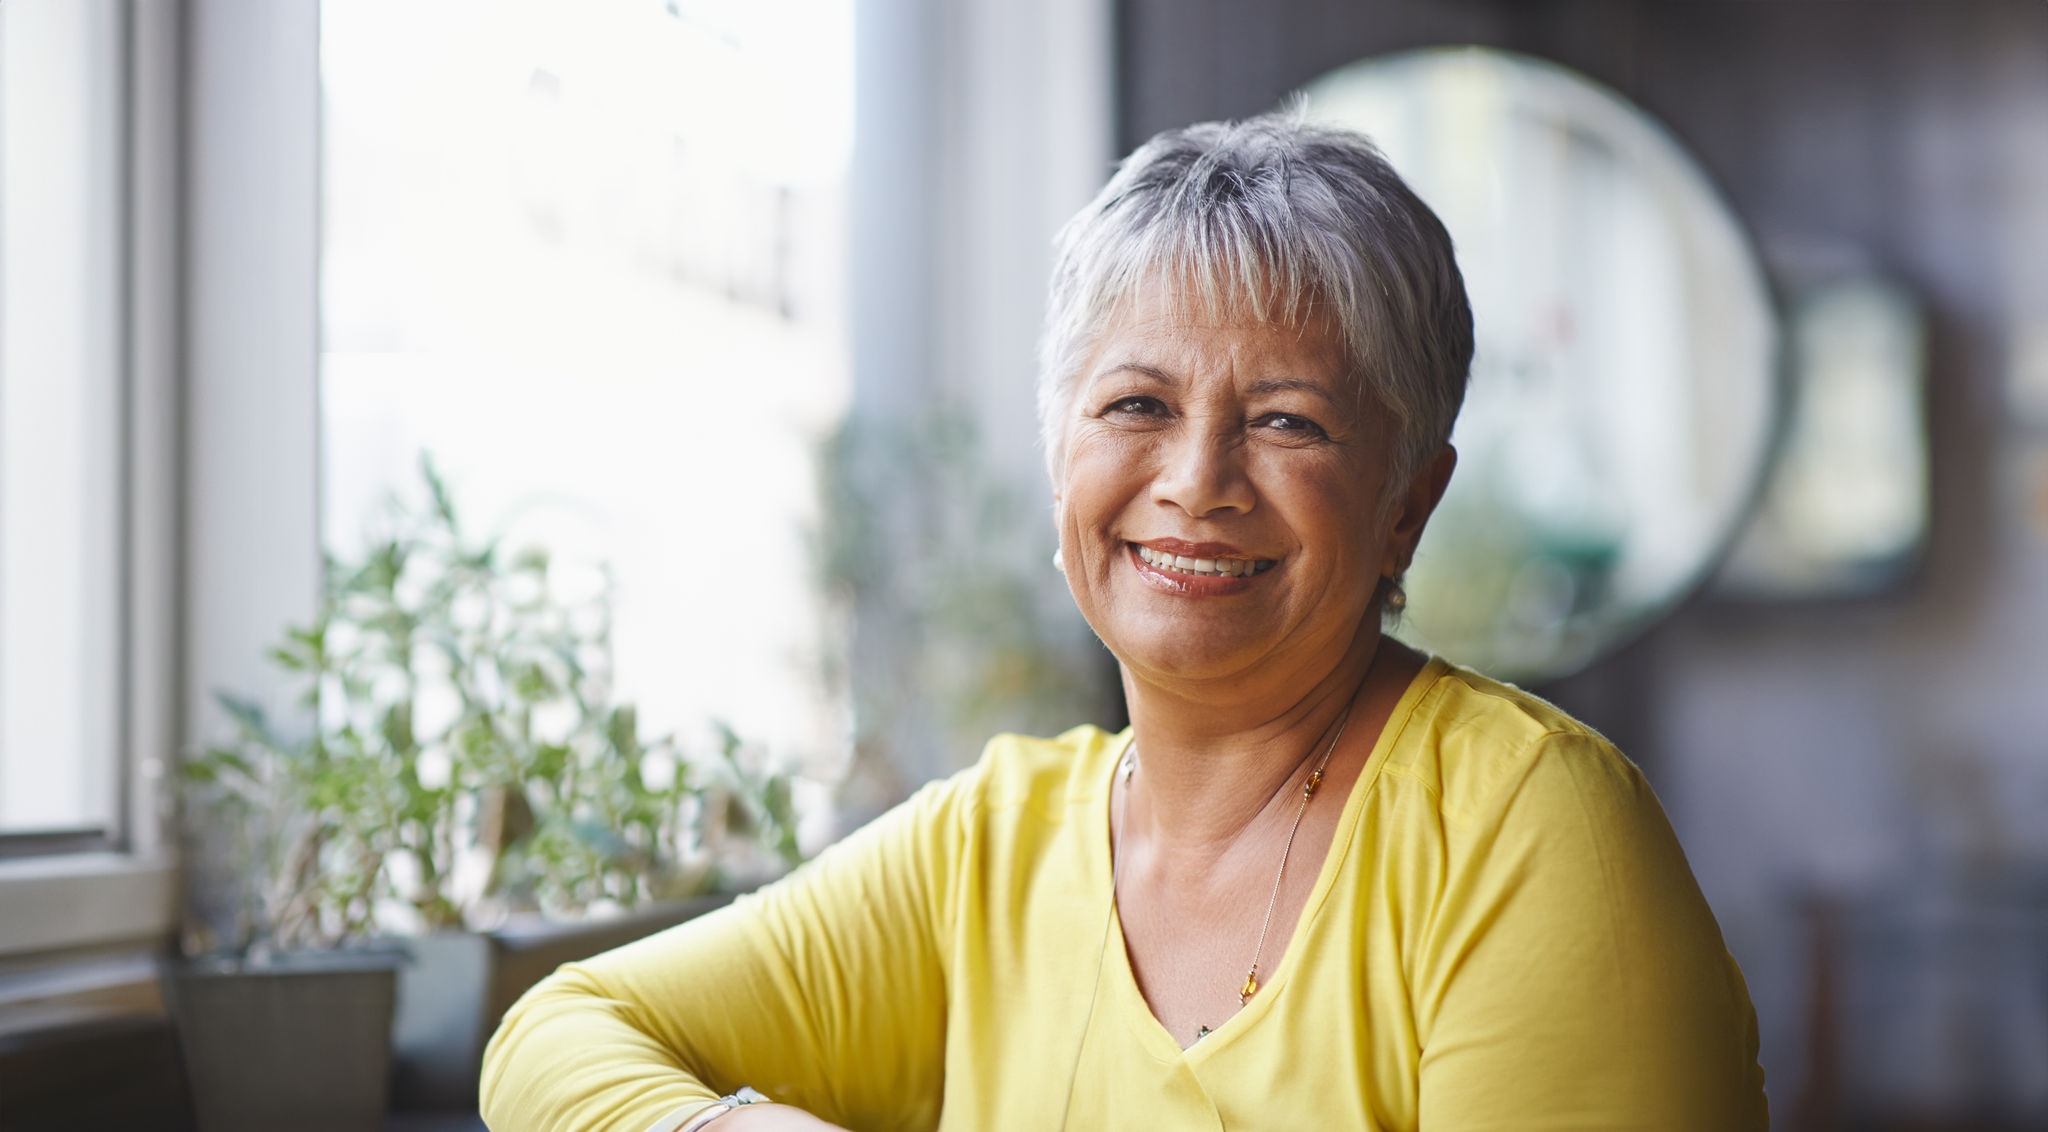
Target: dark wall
1874 123
1897 129
1871 123
1859 751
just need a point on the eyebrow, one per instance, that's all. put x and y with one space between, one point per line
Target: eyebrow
1286 384
1156 374
1266 385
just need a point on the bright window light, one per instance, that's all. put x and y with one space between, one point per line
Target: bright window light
61 342
589 256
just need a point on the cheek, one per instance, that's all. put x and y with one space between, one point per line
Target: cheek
1102 476
1327 504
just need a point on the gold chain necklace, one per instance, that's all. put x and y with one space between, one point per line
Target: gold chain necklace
1308 790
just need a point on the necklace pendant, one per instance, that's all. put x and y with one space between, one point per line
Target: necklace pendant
1251 987
1314 780
1203 1033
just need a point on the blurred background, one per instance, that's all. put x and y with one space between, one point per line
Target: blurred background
483 481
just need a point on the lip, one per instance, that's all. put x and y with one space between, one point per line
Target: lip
1192 585
1186 549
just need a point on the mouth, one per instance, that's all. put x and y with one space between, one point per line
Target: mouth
1212 567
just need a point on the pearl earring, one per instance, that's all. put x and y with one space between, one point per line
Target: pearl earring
1058 563
1397 598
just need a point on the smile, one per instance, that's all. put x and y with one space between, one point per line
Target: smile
1202 567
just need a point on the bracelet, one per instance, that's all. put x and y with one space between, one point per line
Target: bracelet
744 1095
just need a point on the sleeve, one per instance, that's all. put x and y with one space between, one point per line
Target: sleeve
1574 977
824 990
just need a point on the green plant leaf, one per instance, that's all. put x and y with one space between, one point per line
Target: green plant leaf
325 821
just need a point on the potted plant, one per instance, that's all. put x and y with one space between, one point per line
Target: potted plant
462 777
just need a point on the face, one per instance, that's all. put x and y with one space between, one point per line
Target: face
1219 497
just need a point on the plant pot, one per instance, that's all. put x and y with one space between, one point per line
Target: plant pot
458 986
302 1042
438 1035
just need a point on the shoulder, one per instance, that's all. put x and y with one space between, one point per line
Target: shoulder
1017 778
1020 784
1561 956
1046 776
1473 745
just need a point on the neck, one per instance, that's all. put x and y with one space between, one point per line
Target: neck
1213 763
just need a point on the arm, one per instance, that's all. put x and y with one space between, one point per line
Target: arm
825 991
1574 977
769 1118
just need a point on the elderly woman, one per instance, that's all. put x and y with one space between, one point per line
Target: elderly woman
1321 882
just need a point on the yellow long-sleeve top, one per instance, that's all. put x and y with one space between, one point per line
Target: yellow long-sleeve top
1504 935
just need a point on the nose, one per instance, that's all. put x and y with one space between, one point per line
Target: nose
1203 472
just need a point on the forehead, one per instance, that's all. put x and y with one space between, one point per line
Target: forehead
1189 336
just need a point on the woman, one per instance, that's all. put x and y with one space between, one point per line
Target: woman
1322 881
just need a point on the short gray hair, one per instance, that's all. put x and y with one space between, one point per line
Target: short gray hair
1283 218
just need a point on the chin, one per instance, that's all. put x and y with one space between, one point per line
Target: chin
1184 652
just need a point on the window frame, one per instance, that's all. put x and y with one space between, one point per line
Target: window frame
83 887
218 439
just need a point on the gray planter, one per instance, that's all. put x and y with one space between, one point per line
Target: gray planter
301 1042
458 986
438 1037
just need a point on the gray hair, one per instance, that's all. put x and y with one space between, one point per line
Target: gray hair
1285 219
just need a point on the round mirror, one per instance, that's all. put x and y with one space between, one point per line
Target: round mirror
1624 385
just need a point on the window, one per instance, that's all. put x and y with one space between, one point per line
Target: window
588 257
88 478
62 382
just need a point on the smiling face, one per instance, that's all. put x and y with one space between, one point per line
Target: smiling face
1220 496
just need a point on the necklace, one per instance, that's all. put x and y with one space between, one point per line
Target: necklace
1308 790
1129 767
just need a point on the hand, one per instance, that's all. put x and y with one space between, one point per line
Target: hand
770 1118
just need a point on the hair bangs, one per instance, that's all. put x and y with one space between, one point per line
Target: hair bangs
1281 222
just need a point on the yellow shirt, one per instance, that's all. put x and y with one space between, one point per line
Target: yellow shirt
1504 935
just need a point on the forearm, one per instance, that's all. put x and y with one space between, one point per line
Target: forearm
570 1056
823 990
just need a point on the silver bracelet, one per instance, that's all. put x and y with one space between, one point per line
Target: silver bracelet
744 1095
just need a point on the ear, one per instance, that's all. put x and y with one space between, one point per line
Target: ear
1412 510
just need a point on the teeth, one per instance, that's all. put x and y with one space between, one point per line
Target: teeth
1210 567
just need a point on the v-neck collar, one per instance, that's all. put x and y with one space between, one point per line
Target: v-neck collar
1151 1034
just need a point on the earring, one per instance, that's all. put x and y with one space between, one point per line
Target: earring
1397 598
1058 563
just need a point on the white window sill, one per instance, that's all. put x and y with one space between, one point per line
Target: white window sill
79 900
70 992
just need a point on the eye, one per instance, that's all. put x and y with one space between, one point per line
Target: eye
1135 407
1292 425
